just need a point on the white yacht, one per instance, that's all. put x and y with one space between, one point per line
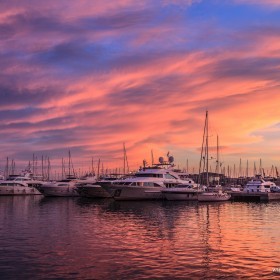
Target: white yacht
147 183
67 187
94 190
187 191
258 184
19 185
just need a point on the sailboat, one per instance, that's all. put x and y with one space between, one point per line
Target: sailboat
210 193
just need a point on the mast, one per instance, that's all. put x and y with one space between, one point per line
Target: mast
218 161
202 151
42 167
33 165
49 168
69 163
62 168
125 162
207 151
7 168
123 158
98 168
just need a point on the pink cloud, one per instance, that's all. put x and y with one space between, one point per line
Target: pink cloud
150 98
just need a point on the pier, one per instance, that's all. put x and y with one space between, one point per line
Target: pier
257 196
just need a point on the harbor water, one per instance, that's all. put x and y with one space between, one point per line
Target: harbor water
77 238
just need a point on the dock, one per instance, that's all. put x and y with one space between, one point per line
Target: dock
257 196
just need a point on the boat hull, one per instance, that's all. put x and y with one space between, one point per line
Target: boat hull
10 190
209 197
93 191
58 191
177 194
120 192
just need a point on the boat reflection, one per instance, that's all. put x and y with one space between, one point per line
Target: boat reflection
91 239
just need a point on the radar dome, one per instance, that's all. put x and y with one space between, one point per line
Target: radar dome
171 159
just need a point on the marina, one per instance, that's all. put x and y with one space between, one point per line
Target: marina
140 140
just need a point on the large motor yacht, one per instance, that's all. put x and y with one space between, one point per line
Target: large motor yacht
147 183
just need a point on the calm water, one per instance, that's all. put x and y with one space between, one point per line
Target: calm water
75 238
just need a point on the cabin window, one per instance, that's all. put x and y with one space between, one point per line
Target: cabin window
148 184
168 176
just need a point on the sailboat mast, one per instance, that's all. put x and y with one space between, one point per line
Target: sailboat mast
207 151
202 156
69 163
98 169
218 161
123 158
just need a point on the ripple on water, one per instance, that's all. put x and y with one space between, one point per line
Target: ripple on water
102 239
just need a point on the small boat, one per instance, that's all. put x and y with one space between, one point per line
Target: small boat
213 196
187 191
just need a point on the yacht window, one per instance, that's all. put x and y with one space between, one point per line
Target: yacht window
148 184
168 176
152 175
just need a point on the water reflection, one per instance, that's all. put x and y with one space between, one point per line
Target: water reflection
70 238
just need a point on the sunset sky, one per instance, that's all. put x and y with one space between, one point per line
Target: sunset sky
89 75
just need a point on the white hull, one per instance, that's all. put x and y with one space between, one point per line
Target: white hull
180 194
10 190
94 191
133 192
213 197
